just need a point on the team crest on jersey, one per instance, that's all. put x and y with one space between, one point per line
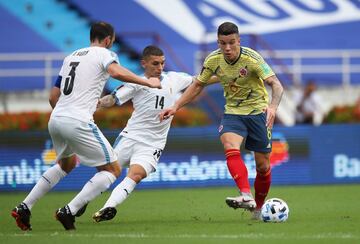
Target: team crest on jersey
243 71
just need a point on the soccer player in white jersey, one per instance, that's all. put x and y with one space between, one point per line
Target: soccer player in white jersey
72 129
142 141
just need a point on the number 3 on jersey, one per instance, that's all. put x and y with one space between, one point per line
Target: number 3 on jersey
159 102
69 81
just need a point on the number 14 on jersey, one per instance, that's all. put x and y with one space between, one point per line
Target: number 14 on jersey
159 102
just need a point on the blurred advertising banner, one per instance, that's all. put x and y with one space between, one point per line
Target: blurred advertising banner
193 157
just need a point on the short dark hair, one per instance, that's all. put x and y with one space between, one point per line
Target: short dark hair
227 28
100 30
152 50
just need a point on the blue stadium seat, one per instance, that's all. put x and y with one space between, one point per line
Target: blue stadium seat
46 26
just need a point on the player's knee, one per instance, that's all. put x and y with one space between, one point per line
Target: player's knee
229 145
262 163
113 168
67 164
137 177
116 170
263 168
67 168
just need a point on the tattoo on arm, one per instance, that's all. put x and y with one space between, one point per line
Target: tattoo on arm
277 90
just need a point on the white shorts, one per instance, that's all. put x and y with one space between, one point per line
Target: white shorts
71 136
131 152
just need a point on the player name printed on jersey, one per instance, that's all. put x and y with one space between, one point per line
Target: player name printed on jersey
259 17
80 53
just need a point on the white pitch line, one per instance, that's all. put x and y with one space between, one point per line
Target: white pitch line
259 236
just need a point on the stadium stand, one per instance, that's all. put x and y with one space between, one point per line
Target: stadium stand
41 33
53 21
296 55
16 36
61 25
18 32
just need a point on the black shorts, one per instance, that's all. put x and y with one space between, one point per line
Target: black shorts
251 127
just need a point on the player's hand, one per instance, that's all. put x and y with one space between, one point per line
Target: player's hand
167 113
154 82
106 102
98 105
270 116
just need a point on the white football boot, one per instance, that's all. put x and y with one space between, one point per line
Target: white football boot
244 201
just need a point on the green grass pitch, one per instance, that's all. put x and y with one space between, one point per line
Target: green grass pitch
318 214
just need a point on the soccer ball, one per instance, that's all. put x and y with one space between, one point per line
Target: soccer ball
275 210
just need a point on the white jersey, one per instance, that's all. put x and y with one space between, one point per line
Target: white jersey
84 74
144 124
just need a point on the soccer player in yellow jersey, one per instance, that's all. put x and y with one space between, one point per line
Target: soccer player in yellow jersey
248 113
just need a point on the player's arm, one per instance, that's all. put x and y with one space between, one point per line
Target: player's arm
119 96
55 92
214 79
119 72
277 92
190 93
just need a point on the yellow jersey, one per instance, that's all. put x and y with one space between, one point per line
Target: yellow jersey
242 80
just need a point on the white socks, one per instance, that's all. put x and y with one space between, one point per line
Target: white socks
99 183
120 192
47 181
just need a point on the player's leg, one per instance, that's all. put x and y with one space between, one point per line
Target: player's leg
238 171
143 162
93 149
263 178
232 132
235 163
135 174
121 192
259 141
48 180
99 183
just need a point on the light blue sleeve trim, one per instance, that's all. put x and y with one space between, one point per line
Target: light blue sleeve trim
113 93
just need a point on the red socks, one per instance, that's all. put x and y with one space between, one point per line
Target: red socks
262 186
239 173
238 169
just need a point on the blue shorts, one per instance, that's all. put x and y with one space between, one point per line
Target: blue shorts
251 127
